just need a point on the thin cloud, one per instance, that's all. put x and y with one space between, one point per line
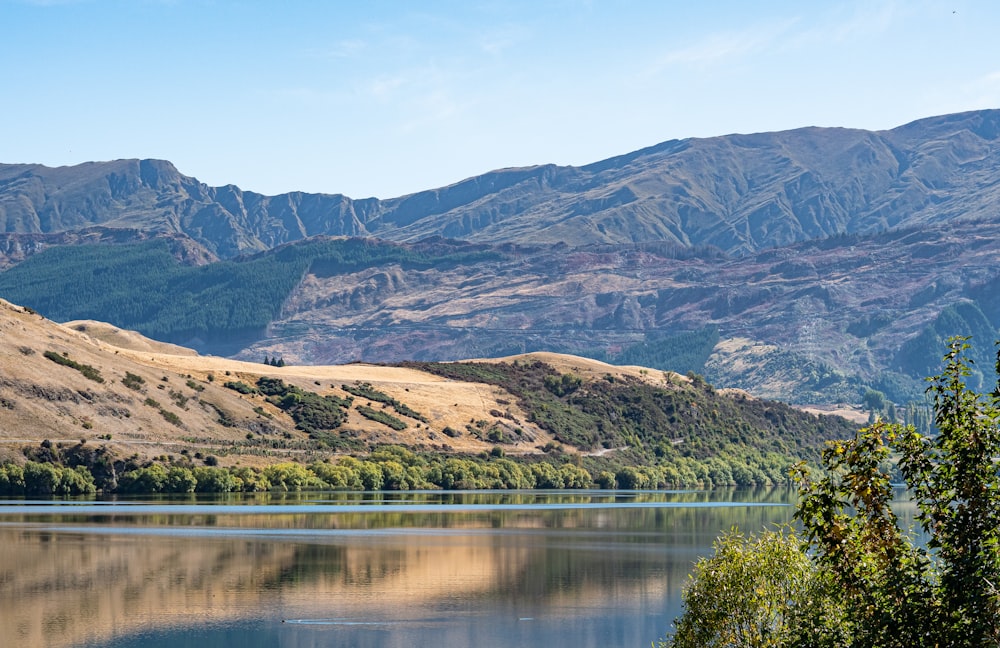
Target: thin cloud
386 87
498 41
721 47
345 49
865 21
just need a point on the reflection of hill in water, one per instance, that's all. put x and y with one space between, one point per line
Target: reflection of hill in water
62 588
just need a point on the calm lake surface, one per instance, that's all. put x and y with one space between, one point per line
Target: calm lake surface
443 570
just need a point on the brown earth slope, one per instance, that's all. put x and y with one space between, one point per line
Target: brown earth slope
177 400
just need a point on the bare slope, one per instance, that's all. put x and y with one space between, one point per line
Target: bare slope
177 399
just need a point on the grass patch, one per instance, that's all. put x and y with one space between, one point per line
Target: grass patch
133 381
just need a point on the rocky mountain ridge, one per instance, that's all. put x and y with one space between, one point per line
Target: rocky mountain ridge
737 193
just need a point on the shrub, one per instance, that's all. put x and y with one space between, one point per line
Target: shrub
381 417
88 371
239 386
750 593
133 381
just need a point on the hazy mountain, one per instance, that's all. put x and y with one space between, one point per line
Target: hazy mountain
739 193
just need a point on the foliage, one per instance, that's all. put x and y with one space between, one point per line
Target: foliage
45 479
87 370
292 477
171 417
562 385
859 578
365 390
901 592
148 479
754 592
133 381
681 353
213 479
240 387
382 417
676 424
311 412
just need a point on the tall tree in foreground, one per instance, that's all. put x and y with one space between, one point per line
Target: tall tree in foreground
860 579
901 592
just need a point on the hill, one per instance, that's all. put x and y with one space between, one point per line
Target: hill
69 391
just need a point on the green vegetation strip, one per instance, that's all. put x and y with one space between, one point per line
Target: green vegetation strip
381 417
88 371
365 390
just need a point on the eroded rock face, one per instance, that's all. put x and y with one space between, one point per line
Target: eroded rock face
819 307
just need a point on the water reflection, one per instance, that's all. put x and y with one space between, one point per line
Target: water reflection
442 569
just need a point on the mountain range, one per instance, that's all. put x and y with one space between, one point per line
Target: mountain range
810 265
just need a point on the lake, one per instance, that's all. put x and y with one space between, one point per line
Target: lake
436 569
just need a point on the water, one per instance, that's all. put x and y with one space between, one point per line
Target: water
442 570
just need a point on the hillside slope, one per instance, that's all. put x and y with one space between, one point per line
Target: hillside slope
149 398
65 384
815 322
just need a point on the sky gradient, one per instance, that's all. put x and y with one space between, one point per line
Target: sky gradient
382 98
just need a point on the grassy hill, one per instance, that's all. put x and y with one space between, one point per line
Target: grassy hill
93 395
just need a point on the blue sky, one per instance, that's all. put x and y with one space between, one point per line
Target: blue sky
384 98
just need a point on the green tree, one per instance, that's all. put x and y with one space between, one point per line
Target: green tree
873 401
250 480
370 474
394 475
212 479
180 480
76 481
148 479
337 476
860 579
901 592
754 592
41 478
290 476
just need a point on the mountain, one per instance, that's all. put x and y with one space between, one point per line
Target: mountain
816 322
738 193
808 265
